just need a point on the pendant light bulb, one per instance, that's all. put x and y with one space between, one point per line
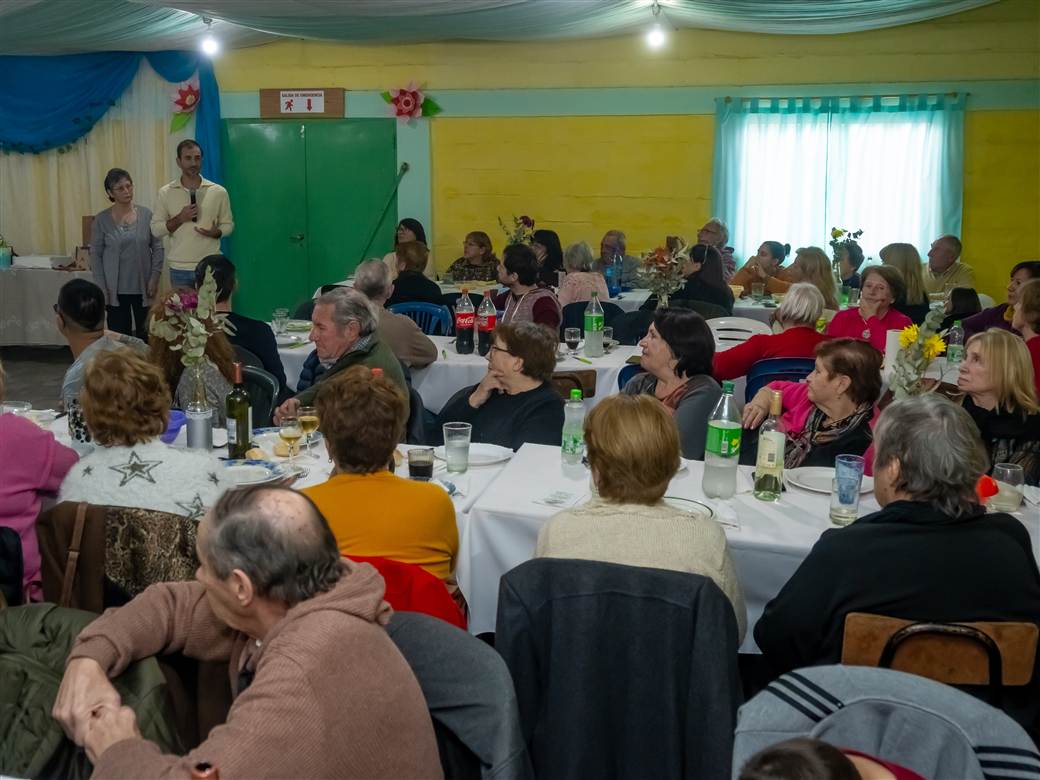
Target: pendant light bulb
209 44
656 36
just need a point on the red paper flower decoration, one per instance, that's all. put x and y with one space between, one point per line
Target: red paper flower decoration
187 99
409 103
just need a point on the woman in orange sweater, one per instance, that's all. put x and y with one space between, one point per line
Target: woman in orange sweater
371 511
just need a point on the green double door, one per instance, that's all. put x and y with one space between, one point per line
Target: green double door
306 198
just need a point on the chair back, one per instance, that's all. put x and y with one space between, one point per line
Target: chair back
989 653
631 327
574 315
415 430
11 567
247 357
451 299
776 369
627 371
305 310
432 319
263 389
584 380
411 588
707 310
730 331
986 301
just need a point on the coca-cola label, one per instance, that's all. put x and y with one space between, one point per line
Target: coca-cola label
464 321
486 322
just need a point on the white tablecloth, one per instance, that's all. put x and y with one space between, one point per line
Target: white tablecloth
745 307
770 543
27 298
629 301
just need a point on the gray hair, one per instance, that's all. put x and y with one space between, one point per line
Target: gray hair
577 257
349 305
803 305
289 554
940 452
722 228
372 278
622 242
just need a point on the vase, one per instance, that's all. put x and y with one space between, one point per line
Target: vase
662 301
199 413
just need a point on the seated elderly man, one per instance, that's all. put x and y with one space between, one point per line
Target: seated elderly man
716 234
407 341
613 244
320 689
343 329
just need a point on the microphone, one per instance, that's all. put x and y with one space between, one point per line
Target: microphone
192 195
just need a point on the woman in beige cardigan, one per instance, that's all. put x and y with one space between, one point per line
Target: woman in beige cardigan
633 452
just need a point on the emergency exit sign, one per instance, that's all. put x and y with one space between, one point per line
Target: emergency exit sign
285 103
300 102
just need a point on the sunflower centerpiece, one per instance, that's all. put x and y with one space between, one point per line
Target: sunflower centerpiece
918 347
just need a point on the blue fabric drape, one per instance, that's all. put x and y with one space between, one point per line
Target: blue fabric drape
49 102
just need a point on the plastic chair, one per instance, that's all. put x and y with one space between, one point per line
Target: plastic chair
263 391
776 369
707 310
415 430
304 310
986 301
574 315
627 372
432 319
247 357
410 588
632 326
730 331
450 299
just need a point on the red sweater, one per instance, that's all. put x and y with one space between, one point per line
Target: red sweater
793 343
1033 345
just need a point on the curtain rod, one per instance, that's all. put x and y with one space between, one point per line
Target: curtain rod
730 99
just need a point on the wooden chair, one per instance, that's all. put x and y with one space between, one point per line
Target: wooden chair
996 654
584 380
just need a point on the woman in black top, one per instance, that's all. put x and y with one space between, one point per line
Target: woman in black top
516 402
411 284
547 248
962 303
704 279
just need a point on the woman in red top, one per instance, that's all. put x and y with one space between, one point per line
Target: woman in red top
1027 322
798 338
814 759
882 286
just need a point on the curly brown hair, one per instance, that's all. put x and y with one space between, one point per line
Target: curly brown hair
362 418
535 344
413 254
218 349
125 399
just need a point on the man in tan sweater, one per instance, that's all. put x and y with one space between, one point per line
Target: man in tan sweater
320 689
411 346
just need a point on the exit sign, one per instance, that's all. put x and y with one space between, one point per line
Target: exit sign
284 103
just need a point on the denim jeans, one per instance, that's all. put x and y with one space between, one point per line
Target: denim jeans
181 278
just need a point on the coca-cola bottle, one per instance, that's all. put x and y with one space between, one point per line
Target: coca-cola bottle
487 317
464 318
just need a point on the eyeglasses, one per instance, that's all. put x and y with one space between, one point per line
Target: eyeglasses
496 348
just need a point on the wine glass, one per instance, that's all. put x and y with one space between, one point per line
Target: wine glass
308 416
1010 478
573 337
290 431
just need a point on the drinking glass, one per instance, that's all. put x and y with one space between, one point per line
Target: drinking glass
573 337
1010 478
18 408
758 291
420 463
280 319
308 416
849 467
456 446
844 500
608 334
853 297
290 431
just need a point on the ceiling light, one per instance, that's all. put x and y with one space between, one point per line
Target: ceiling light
210 46
656 36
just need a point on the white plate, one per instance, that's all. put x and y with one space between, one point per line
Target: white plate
298 326
817 479
482 454
254 472
690 506
286 339
266 438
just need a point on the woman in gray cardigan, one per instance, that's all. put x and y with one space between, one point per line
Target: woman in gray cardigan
126 258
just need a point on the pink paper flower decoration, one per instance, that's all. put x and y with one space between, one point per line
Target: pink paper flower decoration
407 102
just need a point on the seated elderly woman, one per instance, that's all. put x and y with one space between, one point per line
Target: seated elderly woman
516 401
1026 320
796 316
633 453
581 281
478 262
1000 316
931 552
997 376
371 511
412 285
33 465
828 414
876 314
218 368
677 353
126 405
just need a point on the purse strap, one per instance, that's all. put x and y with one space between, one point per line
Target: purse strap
72 562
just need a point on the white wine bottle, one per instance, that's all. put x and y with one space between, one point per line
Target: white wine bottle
238 413
769 467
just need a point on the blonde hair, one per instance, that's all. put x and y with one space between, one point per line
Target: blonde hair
125 399
905 259
1028 303
815 268
633 445
1010 367
577 257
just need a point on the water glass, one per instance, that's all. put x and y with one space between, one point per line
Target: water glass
280 321
844 500
608 334
19 408
848 467
420 463
758 291
456 446
853 296
1010 478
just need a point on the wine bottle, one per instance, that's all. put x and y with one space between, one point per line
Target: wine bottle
769 467
237 406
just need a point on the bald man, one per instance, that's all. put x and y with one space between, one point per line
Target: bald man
944 270
320 689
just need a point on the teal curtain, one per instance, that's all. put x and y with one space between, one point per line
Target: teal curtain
790 169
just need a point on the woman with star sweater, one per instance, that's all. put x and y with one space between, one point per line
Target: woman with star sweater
126 407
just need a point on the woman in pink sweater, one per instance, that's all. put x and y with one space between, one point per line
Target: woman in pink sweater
581 281
882 286
32 463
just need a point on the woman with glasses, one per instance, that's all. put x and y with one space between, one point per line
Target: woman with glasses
516 401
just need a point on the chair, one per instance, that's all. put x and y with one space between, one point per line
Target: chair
450 299
707 310
247 357
432 319
263 391
996 654
628 371
574 315
305 310
411 588
631 327
620 671
11 567
584 380
776 369
730 331
986 301
930 728
415 430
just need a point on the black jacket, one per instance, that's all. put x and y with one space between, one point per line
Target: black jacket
509 420
413 287
258 338
1009 437
906 561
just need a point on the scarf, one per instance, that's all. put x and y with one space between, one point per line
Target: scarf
672 400
816 431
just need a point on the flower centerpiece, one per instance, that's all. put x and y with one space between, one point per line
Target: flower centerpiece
918 347
661 270
839 238
522 231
